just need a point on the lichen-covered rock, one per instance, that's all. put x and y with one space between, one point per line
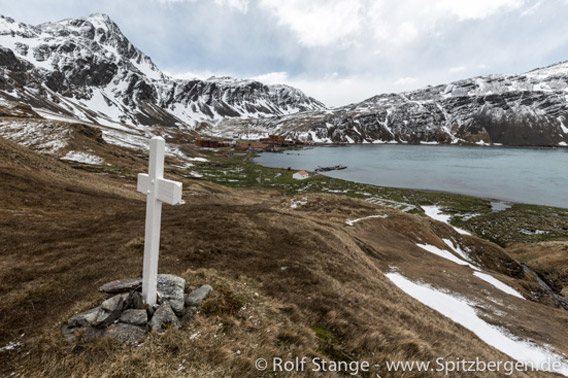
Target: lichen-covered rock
171 288
127 333
114 303
126 317
84 319
133 316
196 296
121 286
111 309
136 301
164 317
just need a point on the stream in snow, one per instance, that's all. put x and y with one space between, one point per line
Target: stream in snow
527 175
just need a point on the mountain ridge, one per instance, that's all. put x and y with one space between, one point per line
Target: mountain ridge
529 109
88 63
86 70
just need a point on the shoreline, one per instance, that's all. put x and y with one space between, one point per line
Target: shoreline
437 145
520 223
394 186
438 191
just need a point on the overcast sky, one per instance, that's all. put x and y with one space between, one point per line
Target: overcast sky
338 51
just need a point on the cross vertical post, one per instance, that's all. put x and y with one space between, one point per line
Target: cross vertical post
158 190
153 222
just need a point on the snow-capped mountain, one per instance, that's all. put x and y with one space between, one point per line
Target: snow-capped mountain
526 109
87 69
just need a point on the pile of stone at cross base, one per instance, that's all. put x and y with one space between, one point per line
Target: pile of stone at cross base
124 315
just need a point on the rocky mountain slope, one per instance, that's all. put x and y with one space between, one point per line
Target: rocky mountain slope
88 70
530 109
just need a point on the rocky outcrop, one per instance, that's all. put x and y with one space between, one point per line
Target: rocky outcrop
545 290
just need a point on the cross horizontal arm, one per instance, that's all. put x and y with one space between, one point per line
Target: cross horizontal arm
169 191
143 183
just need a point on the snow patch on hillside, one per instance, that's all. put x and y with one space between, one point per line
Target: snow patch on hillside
83 157
12 345
436 213
463 313
457 249
351 222
41 136
296 203
498 284
444 254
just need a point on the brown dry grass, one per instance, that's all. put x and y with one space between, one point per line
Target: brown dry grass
320 285
221 341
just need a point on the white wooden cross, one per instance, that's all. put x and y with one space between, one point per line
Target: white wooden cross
158 190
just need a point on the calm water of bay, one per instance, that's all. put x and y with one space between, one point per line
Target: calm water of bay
527 175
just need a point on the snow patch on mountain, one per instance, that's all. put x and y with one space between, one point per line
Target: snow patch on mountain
523 110
87 69
41 136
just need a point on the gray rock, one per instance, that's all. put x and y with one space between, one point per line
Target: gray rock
164 317
114 303
68 333
127 333
187 315
196 296
105 318
136 301
84 319
136 317
121 286
171 288
111 309
547 290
